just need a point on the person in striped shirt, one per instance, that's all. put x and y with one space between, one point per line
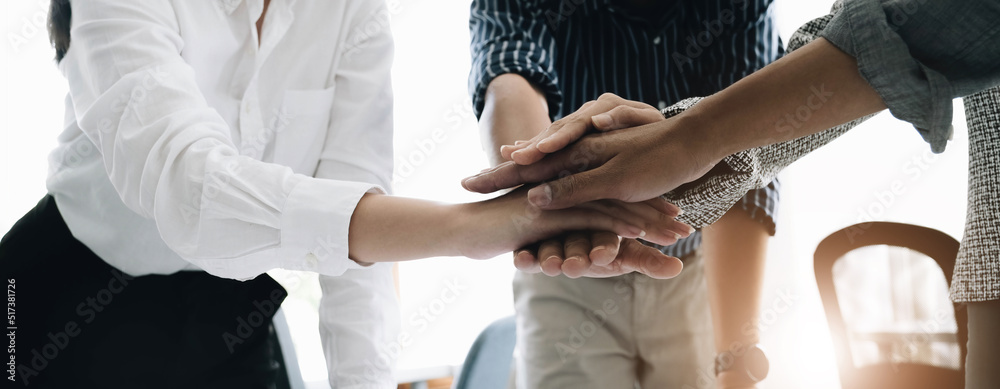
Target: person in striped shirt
535 61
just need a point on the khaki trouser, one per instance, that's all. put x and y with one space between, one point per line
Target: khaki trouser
622 332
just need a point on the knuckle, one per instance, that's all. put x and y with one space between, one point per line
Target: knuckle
608 97
566 187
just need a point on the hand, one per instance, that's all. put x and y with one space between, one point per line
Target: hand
595 254
608 112
631 165
508 222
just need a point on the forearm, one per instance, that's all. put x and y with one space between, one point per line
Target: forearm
514 110
735 251
388 228
810 90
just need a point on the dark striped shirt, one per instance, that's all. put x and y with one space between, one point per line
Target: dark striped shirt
575 50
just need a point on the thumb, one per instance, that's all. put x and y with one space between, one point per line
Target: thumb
649 261
625 116
571 190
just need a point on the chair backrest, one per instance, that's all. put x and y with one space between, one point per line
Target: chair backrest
487 365
937 245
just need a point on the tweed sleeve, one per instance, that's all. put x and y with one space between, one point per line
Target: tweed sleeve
710 197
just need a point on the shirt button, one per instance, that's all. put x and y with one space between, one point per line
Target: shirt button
656 40
311 260
662 104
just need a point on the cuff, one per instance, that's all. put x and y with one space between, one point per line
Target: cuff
912 91
315 223
497 65
707 199
762 205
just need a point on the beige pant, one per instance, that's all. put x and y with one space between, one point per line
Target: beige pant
623 332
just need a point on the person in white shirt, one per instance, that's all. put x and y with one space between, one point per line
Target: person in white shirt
199 150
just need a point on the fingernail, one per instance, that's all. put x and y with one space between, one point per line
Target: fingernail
691 230
642 234
677 236
602 121
540 196
520 142
504 148
680 211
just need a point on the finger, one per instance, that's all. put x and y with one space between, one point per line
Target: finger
550 253
655 225
532 143
505 151
605 247
638 257
624 116
661 204
552 223
573 126
575 189
657 220
526 261
577 251
509 174
580 122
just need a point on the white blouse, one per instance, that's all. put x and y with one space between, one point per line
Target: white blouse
187 146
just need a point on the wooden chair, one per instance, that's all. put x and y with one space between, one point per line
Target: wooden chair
937 245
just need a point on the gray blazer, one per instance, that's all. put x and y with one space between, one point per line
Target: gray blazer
977 271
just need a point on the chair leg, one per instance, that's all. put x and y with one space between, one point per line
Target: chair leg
981 370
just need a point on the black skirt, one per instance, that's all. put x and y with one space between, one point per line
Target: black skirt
73 321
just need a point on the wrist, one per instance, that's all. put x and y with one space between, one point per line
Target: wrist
456 226
685 139
701 135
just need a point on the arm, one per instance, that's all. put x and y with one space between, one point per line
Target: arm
735 251
512 87
793 84
171 158
514 109
692 143
485 229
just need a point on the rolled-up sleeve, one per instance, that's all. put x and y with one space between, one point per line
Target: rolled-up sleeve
171 157
511 36
920 54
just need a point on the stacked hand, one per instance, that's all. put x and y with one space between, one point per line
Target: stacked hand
606 164
497 225
652 157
